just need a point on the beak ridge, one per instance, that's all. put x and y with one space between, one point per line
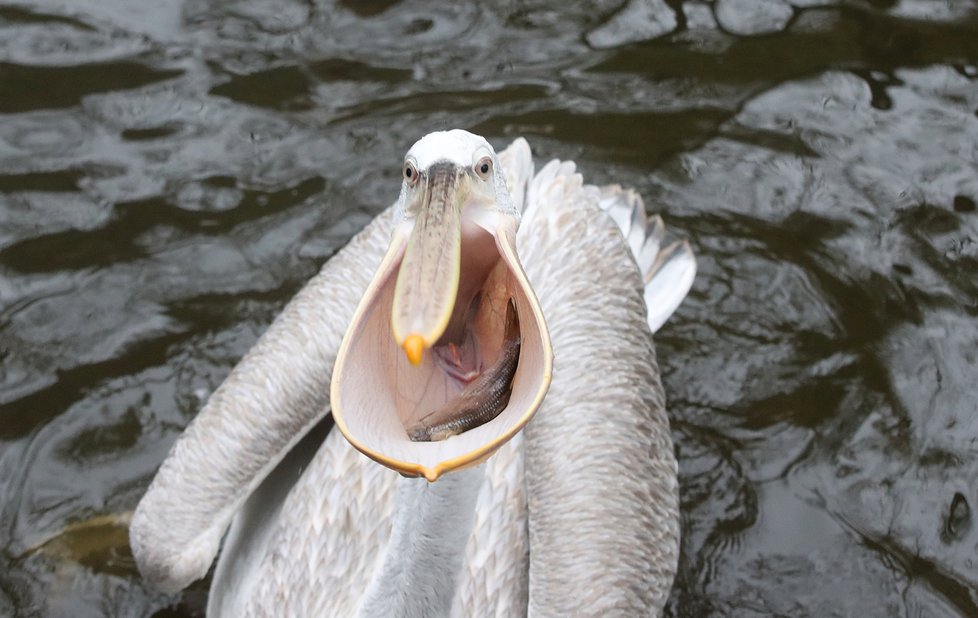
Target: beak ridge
428 279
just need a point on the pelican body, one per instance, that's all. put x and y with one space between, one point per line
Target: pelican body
564 501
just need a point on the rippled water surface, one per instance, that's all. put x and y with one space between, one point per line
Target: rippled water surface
171 172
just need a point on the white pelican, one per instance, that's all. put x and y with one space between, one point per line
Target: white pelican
576 515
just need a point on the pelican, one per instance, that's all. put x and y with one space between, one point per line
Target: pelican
484 287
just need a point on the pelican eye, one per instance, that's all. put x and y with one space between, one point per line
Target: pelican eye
483 168
410 173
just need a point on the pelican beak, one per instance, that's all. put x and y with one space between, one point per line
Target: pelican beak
439 313
427 281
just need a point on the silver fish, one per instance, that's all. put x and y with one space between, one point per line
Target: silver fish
483 399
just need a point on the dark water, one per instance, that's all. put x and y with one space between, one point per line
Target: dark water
171 172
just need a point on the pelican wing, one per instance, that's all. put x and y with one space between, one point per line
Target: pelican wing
668 271
600 468
278 391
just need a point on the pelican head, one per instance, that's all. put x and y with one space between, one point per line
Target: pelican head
448 355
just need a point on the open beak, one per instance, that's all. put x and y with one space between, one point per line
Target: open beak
427 281
436 324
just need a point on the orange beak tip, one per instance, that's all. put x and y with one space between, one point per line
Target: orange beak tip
414 348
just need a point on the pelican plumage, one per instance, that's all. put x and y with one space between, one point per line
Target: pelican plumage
574 514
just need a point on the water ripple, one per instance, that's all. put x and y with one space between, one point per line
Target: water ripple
172 172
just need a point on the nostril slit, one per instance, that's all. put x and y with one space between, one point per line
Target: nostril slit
958 517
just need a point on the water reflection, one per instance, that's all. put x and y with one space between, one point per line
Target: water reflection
170 173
